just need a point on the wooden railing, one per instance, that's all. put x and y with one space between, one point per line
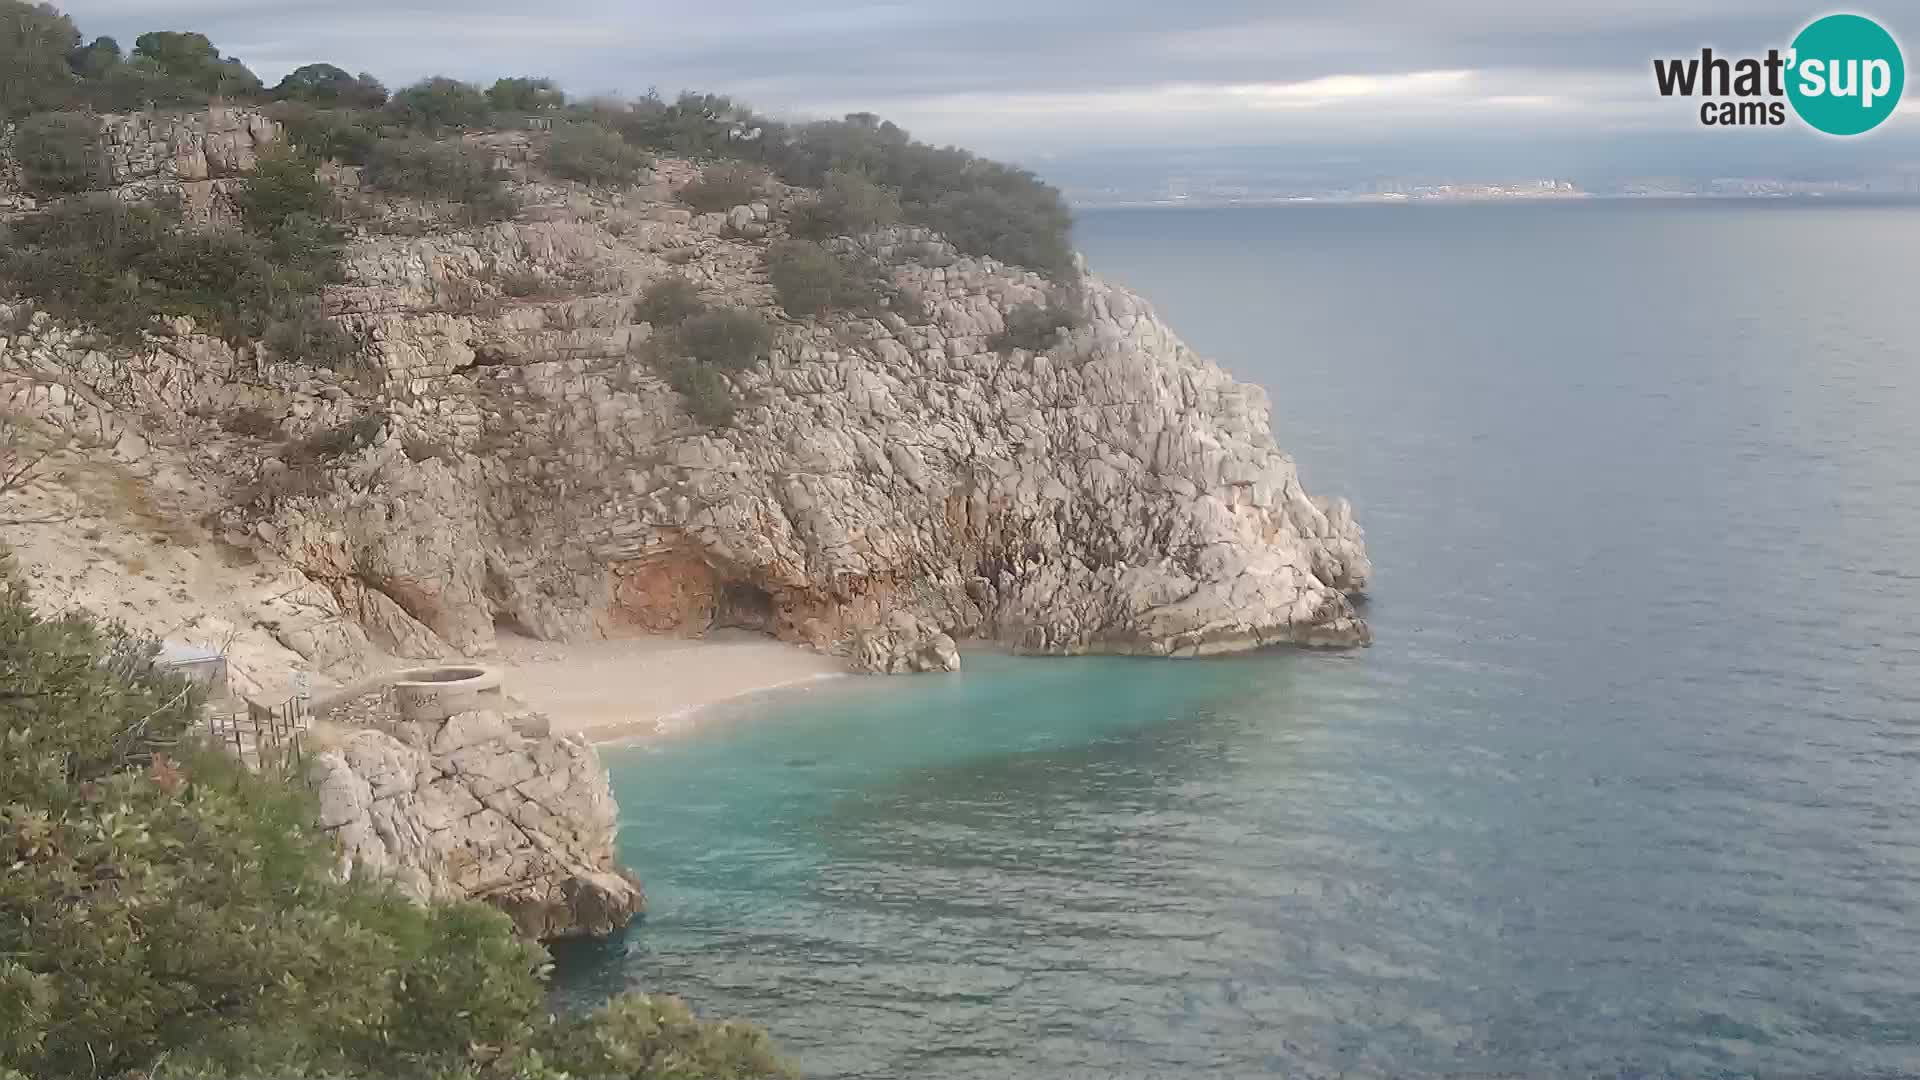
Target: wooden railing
266 737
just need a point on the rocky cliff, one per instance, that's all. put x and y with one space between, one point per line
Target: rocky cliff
474 806
888 486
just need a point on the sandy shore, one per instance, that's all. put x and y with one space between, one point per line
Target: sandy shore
619 689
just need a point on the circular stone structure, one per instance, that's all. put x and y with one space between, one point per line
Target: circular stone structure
431 694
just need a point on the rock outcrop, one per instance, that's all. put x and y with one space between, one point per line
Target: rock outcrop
508 454
196 156
889 486
470 807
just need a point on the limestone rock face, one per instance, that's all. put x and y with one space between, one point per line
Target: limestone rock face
194 155
889 485
472 808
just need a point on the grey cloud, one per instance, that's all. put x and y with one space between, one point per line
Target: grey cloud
911 58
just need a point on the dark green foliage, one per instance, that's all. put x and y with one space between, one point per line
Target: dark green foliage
59 153
699 347
525 96
35 41
669 302
440 104
192 61
327 85
730 339
723 187
304 335
118 266
81 702
283 189
871 171
593 154
96 58
1016 224
345 135
850 204
983 207
168 913
139 84
1036 327
44 67
707 392
644 1037
810 280
694 125
425 167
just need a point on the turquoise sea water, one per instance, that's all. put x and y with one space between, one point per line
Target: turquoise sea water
1627 786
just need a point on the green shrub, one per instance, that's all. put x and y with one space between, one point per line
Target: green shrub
96 58
723 187
440 104
694 125
191 60
809 280
454 171
82 703
283 188
34 47
117 267
1035 327
850 204
707 392
59 153
983 207
1024 228
346 135
169 913
593 154
731 339
325 84
140 84
641 1037
307 336
669 302
120 266
525 95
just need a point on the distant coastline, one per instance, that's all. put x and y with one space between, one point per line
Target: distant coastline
1850 198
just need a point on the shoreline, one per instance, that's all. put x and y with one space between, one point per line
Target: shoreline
634 688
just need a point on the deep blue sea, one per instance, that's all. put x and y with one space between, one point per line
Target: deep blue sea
1628 786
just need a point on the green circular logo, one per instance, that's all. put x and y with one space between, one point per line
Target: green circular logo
1846 74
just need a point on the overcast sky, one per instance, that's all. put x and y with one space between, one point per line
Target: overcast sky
1035 78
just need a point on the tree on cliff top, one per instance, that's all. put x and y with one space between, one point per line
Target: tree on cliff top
168 913
34 42
191 60
325 84
439 104
526 95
